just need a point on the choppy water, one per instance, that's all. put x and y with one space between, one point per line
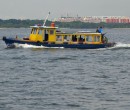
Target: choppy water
33 78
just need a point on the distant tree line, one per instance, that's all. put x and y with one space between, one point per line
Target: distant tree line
16 23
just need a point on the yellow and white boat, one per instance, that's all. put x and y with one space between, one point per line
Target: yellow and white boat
48 36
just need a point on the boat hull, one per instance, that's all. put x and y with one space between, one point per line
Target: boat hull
10 43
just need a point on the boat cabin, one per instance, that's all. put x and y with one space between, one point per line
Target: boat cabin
50 35
43 33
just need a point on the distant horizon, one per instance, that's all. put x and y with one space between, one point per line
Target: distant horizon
38 9
60 17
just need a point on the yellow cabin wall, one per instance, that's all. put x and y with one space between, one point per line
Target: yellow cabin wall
52 37
36 37
40 37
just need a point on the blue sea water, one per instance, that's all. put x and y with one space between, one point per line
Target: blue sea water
33 78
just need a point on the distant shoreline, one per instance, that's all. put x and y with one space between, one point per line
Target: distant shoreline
14 23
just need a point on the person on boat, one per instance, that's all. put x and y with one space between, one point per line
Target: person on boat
100 30
80 38
102 34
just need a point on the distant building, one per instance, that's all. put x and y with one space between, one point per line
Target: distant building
121 19
97 19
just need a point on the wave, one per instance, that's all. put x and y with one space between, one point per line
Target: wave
32 46
120 45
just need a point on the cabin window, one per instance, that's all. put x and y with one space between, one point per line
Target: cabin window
89 39
40 32
46 31
96 38
74 38
51 32
58 38
34 31
81 38
66 38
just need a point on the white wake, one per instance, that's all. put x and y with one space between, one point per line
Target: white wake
122 45
118 45
32 46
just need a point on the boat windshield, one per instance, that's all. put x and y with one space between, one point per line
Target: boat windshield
34 31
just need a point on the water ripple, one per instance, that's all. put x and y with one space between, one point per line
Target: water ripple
65 79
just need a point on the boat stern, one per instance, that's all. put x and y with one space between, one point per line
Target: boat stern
110 44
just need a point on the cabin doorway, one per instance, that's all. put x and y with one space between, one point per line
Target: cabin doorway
45 35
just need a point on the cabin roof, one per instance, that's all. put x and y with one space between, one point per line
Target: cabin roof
94 33
44 27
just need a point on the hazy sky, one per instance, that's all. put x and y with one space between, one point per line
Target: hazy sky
38 9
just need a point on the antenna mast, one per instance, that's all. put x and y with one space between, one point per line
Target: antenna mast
46 19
